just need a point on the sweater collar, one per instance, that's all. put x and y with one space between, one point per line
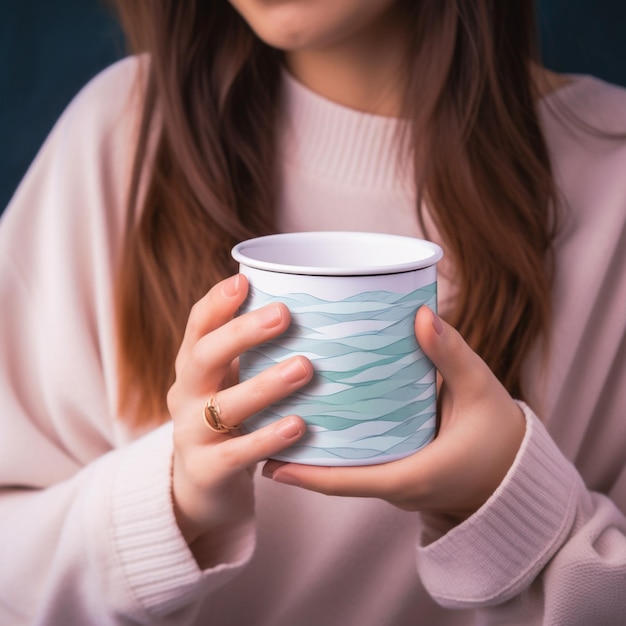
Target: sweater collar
338 143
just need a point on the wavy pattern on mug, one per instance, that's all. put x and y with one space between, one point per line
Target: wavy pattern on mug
373 394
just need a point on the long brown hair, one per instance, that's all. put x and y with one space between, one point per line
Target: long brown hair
481 164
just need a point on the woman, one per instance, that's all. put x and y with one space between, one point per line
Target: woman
429 119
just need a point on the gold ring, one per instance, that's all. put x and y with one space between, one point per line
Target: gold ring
211 417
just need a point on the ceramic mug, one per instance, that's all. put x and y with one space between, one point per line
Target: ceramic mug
353 298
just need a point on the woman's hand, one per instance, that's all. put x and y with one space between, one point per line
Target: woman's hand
212 471
480 433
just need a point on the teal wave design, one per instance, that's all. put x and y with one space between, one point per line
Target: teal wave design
373 396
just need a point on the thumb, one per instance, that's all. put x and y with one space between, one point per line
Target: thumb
460 367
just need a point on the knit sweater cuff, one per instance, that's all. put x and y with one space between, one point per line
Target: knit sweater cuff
157 565
498 551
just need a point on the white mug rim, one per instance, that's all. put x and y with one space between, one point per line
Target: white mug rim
426 253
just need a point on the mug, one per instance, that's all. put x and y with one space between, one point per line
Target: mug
353 298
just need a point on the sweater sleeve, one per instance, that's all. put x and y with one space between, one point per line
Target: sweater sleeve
87 529
542 550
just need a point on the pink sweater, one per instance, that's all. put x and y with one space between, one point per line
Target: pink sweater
87 532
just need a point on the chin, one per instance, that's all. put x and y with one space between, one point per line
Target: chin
289 38
286 41
288 25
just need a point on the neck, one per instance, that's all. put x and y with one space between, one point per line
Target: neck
364 72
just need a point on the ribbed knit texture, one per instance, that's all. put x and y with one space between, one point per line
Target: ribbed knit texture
142 519
153 553
502 547
333 141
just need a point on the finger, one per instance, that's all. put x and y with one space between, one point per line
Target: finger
210 358
215 309
239 402
460 367
237 453
371 481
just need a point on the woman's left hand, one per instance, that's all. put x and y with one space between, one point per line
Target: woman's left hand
480 434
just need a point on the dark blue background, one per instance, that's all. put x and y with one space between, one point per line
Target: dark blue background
50 48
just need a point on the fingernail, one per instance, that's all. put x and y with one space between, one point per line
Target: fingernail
288 429
286 479
437 323
271 316
293 371
230 287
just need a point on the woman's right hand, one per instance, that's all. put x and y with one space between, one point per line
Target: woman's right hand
212 472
